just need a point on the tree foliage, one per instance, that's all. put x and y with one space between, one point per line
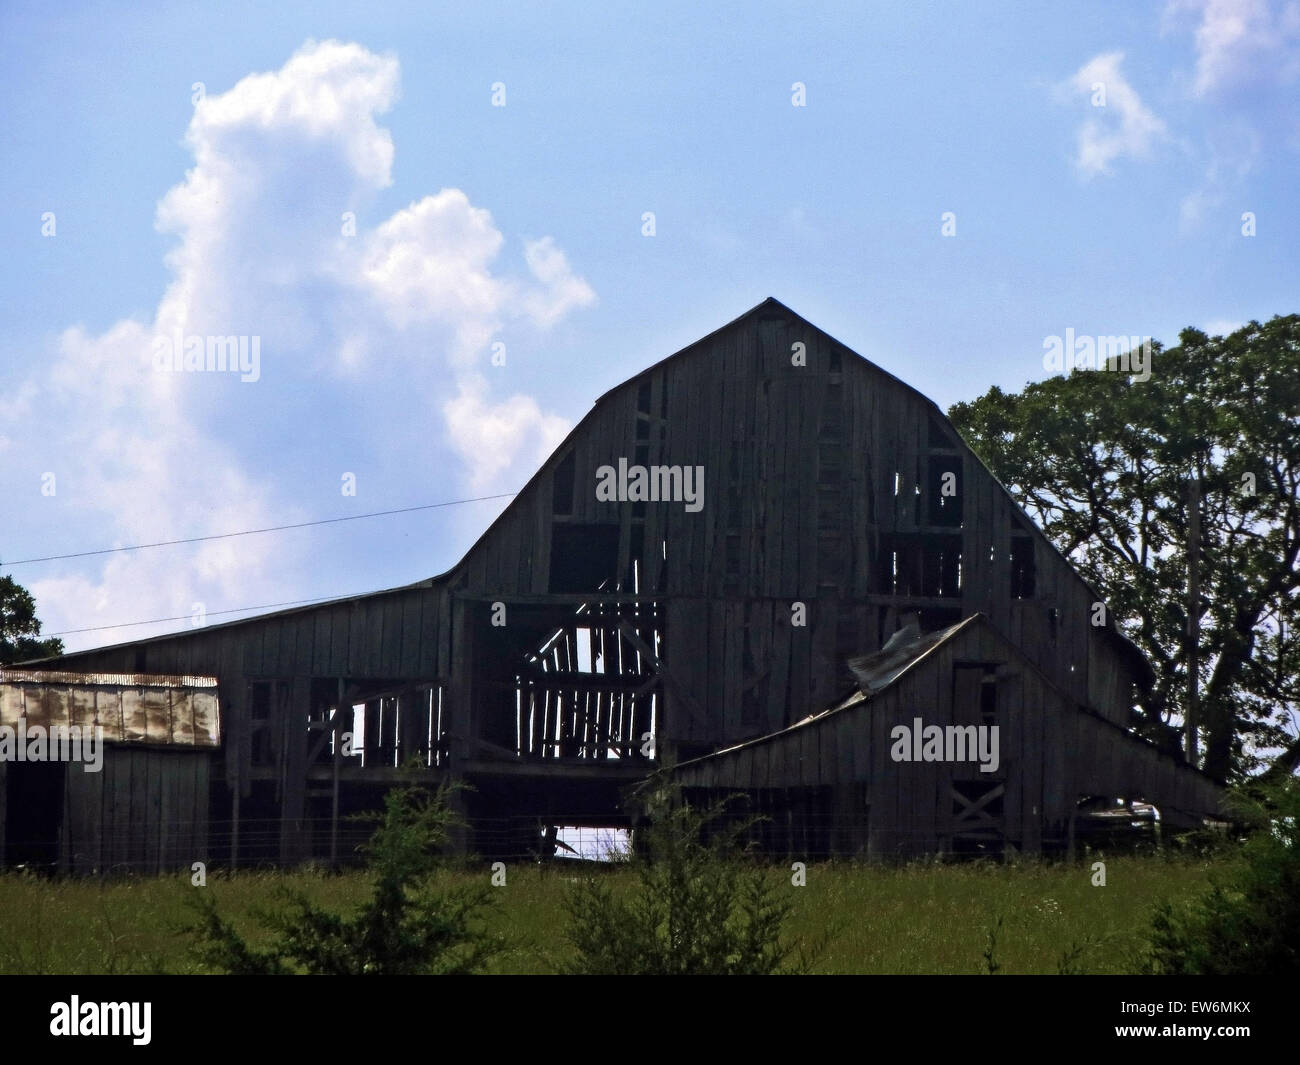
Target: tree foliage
1103 463
697 908
20 629
1249 922
406 927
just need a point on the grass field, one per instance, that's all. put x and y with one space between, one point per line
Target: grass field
923 918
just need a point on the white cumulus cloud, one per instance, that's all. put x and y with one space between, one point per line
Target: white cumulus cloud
1122 126
1242 41
365 340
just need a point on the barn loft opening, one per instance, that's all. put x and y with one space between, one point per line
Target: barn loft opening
1022 566
584 556
926 565
943 490
583 681
34 815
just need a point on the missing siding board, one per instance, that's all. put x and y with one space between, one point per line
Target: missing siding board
1022 567
989 696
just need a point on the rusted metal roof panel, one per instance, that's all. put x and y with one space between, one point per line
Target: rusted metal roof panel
144 708
124 680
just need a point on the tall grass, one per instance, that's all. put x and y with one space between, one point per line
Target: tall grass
920 918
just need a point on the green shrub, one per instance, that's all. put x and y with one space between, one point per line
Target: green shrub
1249 922
405 927
696 908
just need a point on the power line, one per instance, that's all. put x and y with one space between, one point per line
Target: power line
211 613
250 532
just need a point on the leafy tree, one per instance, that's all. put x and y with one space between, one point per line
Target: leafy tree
1104 464
1249 922
406 927
697 908
20 629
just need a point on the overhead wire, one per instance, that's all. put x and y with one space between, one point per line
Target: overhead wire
228 535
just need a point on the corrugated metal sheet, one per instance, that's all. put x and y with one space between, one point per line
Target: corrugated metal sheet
876 672
121 680
142 708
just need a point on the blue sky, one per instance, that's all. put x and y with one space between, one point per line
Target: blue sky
521 225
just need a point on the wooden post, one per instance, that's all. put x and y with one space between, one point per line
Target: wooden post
4 808
1193 613
296 708
334 783
234 828
1069 833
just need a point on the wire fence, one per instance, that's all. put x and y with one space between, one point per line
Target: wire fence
319 842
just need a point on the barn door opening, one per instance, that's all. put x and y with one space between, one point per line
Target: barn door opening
34 814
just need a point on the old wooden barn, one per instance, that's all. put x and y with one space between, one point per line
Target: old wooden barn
692 570
105 772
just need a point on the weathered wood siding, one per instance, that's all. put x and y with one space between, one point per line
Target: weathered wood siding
1051 753
813 475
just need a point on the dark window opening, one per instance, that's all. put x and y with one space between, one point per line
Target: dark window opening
926 565
643 397
939 617
34 815
942 560
989 697
1022 567
583 557
944 490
